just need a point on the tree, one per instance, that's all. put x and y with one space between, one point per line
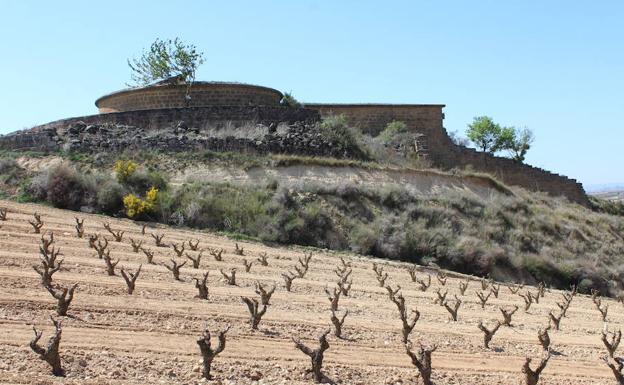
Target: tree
288 100
167 60
491 137
521 144
485 134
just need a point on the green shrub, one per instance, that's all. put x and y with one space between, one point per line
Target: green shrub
335 129
221 206
10 172
307 225
110 197
532 238
393 131
607 206
141 181
362 239
63 187
288 100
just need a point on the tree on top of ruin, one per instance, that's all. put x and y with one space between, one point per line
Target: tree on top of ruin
485 134
490 137
520 143
169 61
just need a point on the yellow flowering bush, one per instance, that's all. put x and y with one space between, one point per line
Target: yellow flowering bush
136 206
124 169
151 196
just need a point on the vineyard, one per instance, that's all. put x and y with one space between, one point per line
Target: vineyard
124 302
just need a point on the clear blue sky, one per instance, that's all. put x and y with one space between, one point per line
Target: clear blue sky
556 67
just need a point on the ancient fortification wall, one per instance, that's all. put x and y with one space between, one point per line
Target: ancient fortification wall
214 105
373 118
197 117
202 94
443 153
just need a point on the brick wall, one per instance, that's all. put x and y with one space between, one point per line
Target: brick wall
444 154
373 118
199 117
203 94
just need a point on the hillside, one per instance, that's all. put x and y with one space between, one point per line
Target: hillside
112 337
611 195
462 221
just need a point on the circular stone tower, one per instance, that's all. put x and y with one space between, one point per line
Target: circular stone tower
202 94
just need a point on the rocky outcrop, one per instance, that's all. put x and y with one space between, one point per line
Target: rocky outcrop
297 138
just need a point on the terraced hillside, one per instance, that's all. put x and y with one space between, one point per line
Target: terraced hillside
150 336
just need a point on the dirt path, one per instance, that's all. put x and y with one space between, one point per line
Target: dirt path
149 337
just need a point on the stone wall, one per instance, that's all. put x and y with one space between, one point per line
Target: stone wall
443 153
513 173
198 117
80 137
373 118
424 119
203 94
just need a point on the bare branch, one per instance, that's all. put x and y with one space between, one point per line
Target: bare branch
544 338
194 246
453 310
207 352
158 240
507 315
37 224
79 227
63 296
265 295
611 341
149 255
178 250
262 258
216 254
531 377
288 279
422 285
488 334
202 286
175 268
50 353
131 278
229 279
422 361
316 355
338 322
197 260
380 275
463 286
483 298
255 313
117 235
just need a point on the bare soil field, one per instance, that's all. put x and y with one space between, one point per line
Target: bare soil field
149 337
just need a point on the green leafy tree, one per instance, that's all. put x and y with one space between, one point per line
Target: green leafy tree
166 59
521 143
491 137
485 134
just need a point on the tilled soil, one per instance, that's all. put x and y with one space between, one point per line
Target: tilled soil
149 337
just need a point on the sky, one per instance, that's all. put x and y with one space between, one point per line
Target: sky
555 67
